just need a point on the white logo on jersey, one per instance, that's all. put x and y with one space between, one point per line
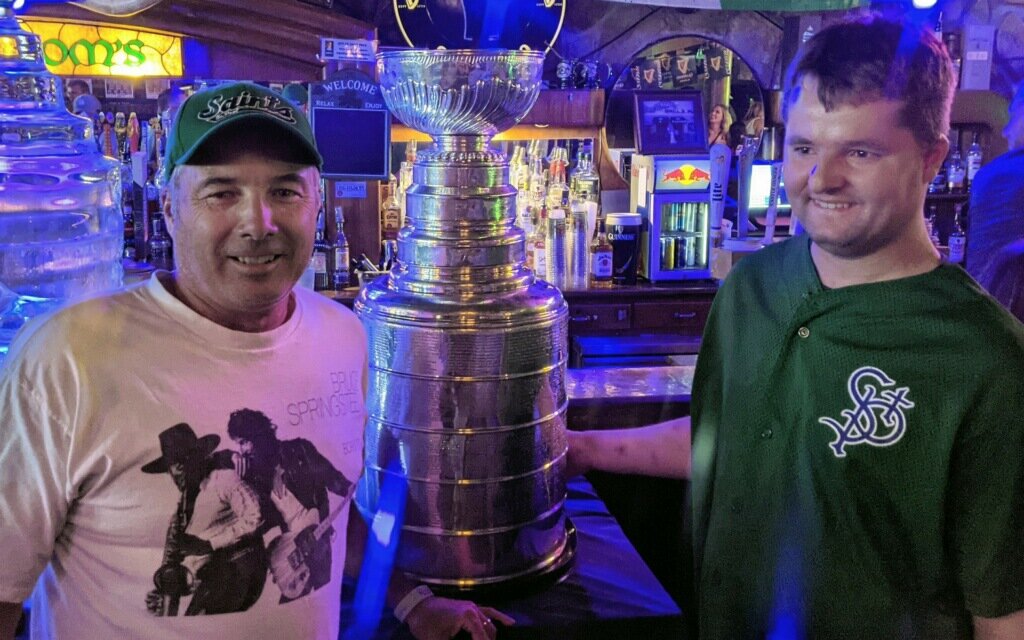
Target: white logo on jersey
877 417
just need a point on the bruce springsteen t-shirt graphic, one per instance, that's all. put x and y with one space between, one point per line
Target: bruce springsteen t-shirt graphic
249 505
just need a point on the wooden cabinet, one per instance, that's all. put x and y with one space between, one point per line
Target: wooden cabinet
679 316
600 317
629 326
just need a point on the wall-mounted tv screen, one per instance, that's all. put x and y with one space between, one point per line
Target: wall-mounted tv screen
667 122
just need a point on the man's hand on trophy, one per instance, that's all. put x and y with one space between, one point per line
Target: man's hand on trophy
438 618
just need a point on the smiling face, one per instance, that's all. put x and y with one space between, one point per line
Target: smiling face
715 119
857 179
243 226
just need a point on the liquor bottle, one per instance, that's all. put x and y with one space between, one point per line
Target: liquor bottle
931 224
388 254
952 42
539 242
390 212
974 159
957 238
601 258
585 184
128 251
558 187
538 182
160 250
521 181
404 179
956 172
321 282
127 205
339 252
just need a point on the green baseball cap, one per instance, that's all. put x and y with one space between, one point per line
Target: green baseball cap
206 112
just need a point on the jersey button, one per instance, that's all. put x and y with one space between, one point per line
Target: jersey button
766 434
803 332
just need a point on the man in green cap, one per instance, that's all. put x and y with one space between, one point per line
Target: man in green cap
109 549
858 404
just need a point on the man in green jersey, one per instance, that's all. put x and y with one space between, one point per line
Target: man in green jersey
858 409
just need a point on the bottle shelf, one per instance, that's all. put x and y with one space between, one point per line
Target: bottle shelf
948 197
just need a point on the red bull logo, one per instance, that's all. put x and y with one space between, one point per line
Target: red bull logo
687 174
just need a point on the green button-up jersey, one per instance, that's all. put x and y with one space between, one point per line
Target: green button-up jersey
858 455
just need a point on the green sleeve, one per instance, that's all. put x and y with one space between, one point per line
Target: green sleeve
986 493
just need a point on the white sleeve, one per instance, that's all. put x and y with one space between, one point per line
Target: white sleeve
34 495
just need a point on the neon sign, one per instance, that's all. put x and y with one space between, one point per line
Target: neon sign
84 49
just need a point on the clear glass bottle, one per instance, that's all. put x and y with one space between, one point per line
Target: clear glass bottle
388 254
585 185
957 238
405 179
975 157
538 182
539 244
321 281
956 172
339 252
160 250
558 187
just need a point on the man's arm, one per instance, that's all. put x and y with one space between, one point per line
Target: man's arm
435 618
1009 627
10 614
661 449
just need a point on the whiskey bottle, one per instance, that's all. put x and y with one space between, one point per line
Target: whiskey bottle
339 252
321 282
601 258
390 212
957 238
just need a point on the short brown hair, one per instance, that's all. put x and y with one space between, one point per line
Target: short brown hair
872 58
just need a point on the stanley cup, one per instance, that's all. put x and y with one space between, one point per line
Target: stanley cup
467 348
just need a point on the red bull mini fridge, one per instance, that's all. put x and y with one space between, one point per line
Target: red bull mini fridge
672 193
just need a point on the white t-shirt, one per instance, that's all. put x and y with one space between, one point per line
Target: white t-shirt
84 399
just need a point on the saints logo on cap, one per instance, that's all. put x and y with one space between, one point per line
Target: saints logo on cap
220 107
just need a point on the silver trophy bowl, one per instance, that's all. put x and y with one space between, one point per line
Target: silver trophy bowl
467 348
460 92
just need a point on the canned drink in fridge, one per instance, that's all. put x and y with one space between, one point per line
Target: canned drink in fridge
668 253
690 217
690 251
670 213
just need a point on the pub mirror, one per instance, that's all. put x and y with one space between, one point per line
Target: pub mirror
733 102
